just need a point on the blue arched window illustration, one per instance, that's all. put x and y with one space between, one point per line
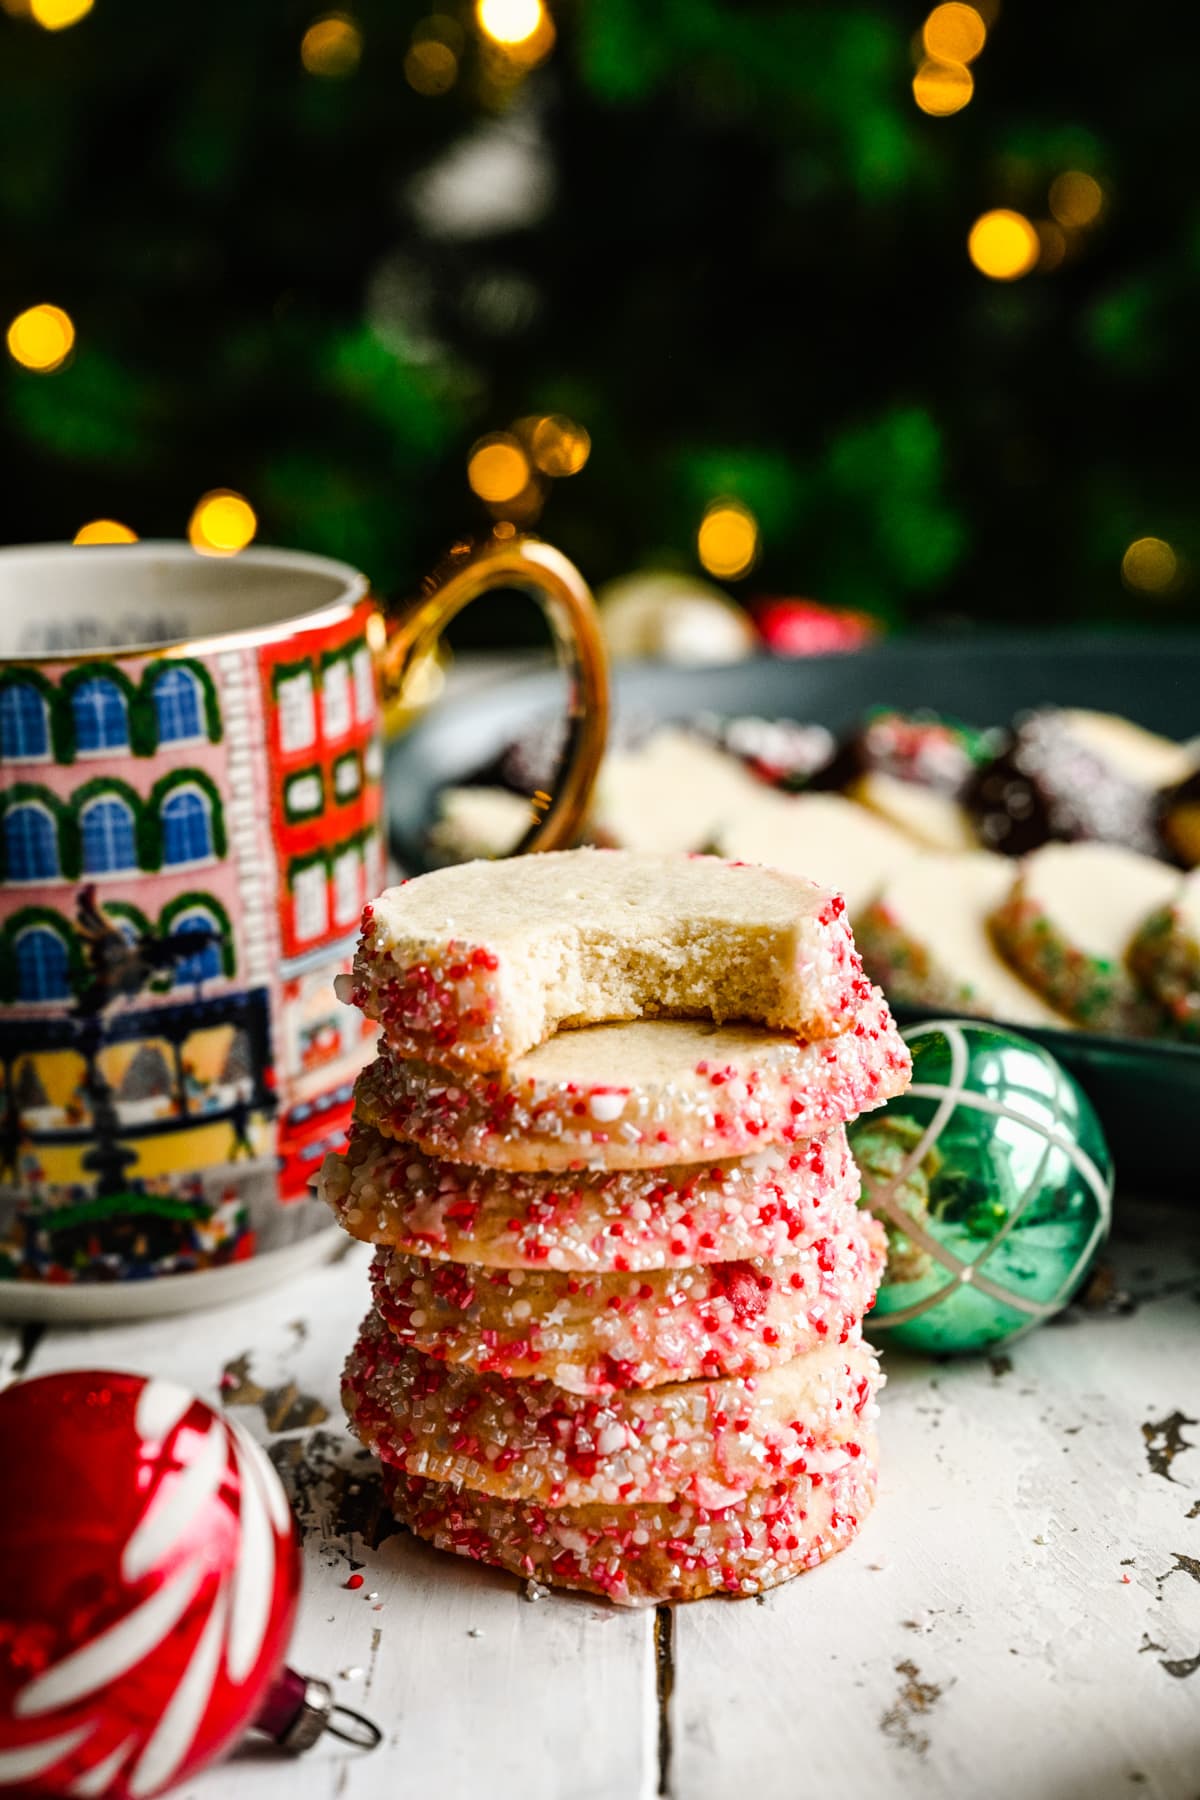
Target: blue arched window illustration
42 969
177 707
101 722
109 844
204 964
30 843
187 827
23 732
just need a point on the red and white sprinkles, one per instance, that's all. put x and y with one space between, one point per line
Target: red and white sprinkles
592 1333
774 1203
643 1095
474 965
621 1271
666 1550
707 1441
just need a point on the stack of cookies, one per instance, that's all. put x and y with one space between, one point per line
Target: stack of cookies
621 1272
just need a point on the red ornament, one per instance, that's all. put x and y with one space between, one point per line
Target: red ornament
149 1575
806 628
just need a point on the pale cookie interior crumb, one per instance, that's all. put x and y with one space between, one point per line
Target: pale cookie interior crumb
592 935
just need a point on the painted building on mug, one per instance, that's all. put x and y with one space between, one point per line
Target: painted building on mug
324 759
120 786
131 808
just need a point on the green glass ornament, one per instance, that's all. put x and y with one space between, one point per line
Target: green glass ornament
994 1182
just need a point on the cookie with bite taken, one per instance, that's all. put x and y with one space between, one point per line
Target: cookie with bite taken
473 966
644 1095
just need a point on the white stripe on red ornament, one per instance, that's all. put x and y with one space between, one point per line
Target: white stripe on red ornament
99 1777
160 1406
33 1759
116 1650
254 1571
172 1737
177 1502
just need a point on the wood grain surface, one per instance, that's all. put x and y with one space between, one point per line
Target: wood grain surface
1021 1617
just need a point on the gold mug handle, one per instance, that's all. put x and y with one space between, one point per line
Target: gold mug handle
514 560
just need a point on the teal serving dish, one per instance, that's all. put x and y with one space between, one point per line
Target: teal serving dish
1144 1092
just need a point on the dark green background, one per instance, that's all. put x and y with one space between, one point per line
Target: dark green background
751 278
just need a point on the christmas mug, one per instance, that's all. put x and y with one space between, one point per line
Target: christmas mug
191 820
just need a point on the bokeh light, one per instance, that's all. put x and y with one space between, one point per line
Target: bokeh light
431 67
1076 199
1003 245
942 88
498 468
1149 565
56 15
105 531
41 338
560 446
954 33
1052 245
332 46
727 541
510 22
222 524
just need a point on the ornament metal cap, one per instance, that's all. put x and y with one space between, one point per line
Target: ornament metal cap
301 1708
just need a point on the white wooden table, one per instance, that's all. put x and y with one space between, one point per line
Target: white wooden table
1021 1616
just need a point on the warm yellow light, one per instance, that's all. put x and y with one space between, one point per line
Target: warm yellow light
942 88
560 446
56 15
1076 198
41 338
431 67
1150 565
498 469
954 33
222 524
105 531
510 21
332 46
727 541
1003 245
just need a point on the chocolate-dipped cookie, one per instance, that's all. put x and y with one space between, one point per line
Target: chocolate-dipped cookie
1065 775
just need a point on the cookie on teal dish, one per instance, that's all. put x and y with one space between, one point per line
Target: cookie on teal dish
994 1181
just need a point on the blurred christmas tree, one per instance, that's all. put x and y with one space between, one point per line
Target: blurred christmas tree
314 259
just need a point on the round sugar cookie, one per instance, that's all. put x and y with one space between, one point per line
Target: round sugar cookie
769 1204
663 1550
475 965
1068 926
709 1441
593 1333
925 939
641 1095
